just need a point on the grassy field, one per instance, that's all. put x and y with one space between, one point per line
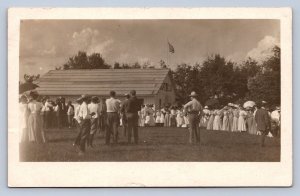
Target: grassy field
156 144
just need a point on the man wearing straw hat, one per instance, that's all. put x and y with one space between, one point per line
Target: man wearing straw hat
193 108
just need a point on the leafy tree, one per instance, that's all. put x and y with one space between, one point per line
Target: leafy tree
186 79
266 84
31 78
136 65
163 64
218 78
126 66
83 61
95 61
117 66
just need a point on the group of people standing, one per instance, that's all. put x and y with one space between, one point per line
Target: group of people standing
166 117
90 115
255 120
40 113
237 119
106 114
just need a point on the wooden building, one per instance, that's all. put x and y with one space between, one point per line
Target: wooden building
153 86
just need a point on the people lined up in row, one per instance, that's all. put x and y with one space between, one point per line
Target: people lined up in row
237 119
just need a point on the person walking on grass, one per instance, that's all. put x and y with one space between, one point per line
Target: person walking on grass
77 121
113 120
85 117
262 120
94 112
193 108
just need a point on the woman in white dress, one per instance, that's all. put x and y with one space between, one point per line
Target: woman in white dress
35 131
142 116
149 119
173 116
179 118
167 122
226 126
23 119
157 118
210 122
235 120
241 121
217 121
186 121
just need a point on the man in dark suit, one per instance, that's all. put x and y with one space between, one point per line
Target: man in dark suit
131 107
262 120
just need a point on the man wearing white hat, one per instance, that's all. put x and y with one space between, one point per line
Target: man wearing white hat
193 108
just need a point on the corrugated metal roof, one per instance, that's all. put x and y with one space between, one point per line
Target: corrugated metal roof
101 81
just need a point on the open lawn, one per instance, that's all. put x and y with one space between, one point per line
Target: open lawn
156 144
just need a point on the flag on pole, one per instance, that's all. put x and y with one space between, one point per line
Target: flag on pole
171 48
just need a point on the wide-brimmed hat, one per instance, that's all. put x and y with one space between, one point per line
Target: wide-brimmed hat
193 94
206 107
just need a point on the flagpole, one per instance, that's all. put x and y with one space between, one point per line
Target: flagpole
167 52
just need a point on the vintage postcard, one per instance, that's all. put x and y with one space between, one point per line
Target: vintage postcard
152 97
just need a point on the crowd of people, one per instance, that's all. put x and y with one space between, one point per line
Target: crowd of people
91 115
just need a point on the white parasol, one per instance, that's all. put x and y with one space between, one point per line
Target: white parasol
249 104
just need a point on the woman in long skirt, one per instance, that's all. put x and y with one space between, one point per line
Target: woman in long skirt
230 119
157 118
23 119
179 118
241 121
173 117
217 121
34 119
210 120
167 122
225 125
186 122
235 113
251 124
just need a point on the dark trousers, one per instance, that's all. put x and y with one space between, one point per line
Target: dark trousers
85 132
94 127
102 123
70 120
113 122
264 133
194 131
77 140
132 120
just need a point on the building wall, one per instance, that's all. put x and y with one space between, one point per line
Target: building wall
165 95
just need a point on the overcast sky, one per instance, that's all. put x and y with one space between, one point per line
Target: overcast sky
46 44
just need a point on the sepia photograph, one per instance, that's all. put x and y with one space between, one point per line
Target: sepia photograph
163 90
